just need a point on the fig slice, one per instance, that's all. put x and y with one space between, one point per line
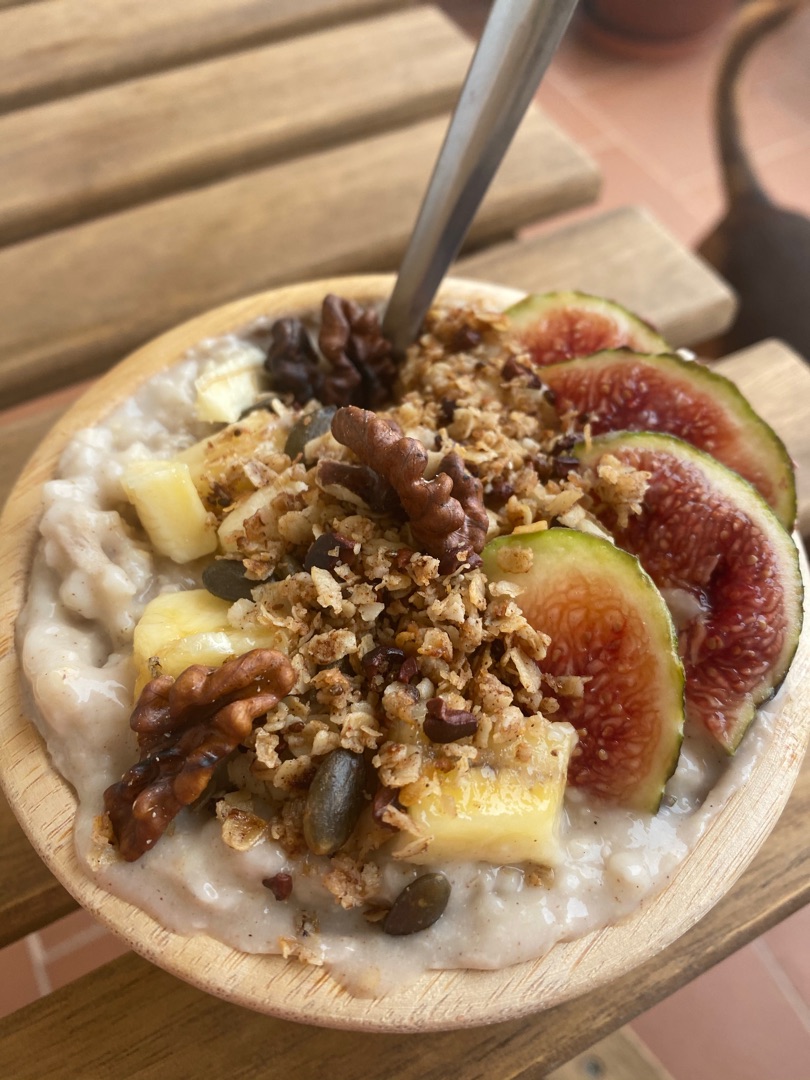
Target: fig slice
560 325
609 625
624 391
717 551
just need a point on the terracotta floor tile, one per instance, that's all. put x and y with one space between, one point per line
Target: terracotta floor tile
790 944
583 125
665 116
780 66
628 181
783 175
786 177
59 933
18 984
79 961
733 1023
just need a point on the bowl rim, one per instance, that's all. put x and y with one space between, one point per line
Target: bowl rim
441 1000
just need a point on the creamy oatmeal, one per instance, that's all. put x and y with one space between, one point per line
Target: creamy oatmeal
392 675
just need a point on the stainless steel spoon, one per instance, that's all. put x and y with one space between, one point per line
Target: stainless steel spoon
519 39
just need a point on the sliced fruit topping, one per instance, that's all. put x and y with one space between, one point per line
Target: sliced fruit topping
561 325
713 545
179 629
494 811
170 509
609 627
233 382
625 391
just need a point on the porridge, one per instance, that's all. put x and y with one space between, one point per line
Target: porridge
288 638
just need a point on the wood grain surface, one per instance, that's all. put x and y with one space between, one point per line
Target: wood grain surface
776 381
620 1056
85 155
625 255
75 301
695 304
58 47
45 804
30 896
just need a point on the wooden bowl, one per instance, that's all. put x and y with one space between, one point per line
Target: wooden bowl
45 803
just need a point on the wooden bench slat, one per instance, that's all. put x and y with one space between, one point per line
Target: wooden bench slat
58 47
83 156
773 377
625 255
73 302
30 896
695 301
620 1056
97 1025
776 381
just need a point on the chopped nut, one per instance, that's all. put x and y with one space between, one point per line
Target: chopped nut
185 727
361 360
329 550
368 485
241 830
444 725
447 514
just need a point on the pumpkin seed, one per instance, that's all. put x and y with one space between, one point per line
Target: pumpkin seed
334 802
226 579
418 906
311 426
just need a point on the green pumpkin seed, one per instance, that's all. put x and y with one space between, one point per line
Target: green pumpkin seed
334 802
226 579
418 906
311 426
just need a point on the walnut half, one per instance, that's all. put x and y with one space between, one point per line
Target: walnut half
447 515
185 727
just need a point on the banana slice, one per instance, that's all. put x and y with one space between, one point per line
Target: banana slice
191 627
497 812
225 389
170 509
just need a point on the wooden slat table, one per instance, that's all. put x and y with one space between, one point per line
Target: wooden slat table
163 156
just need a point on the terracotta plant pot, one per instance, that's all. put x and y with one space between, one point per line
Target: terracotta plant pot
650 28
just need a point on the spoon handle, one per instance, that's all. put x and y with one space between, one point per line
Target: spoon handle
519 39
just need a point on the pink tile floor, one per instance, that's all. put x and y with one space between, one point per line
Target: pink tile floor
648 126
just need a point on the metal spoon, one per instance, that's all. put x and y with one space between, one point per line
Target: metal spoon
519 39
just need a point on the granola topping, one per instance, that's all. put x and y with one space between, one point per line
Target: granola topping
291 798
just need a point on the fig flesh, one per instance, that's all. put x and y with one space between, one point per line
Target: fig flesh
622 390
560 325
609 625
714 547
